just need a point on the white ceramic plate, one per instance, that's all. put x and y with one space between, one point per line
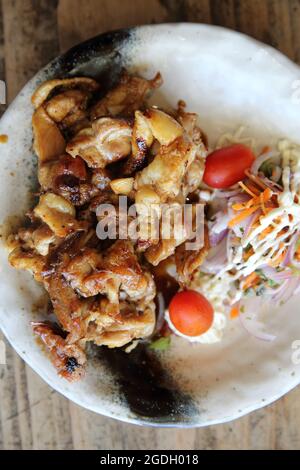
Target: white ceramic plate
229 80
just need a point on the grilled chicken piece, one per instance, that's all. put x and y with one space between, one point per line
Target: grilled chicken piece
175 171
126 312
173 232
128 96
59 214
49 142
164 127
68 359
188 261
142 139
29 261
91 273
166 172
67 108
43 92
101 178
162 180
32 238
50 172
78 194
148 126
148 208
189 122
106 141
42 238
70 310
131 324
100 320
68 177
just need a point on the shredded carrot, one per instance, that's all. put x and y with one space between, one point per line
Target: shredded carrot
265 149
248 254
253 188
256 180
277 260
243 215
241 206
269 209
255 222
263 197
297 253
260 198
234 312
250 280
262 202
266 232
257 202
246 189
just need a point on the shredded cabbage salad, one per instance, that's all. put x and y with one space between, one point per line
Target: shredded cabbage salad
254 231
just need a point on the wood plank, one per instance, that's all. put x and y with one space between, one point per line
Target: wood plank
24 416
30 419
9 405
97 17
222 13
295 27
30 35
2 62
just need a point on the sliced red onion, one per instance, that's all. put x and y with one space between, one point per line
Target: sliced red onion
221 222
277 293
276 276
271 184
215 238
229 245
250 322
242 197
286 290
227 194
260 160
276 174
216 258
249 222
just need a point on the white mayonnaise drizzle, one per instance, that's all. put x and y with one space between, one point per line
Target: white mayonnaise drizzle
286 216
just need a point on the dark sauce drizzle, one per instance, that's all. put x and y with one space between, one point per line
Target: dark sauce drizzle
145 385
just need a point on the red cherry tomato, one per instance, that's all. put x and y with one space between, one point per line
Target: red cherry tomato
191 313
226 166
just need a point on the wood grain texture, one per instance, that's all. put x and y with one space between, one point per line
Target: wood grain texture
31 33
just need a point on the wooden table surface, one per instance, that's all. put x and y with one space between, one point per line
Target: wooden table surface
32 415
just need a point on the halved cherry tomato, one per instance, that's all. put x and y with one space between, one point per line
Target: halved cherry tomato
226 166
191 313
